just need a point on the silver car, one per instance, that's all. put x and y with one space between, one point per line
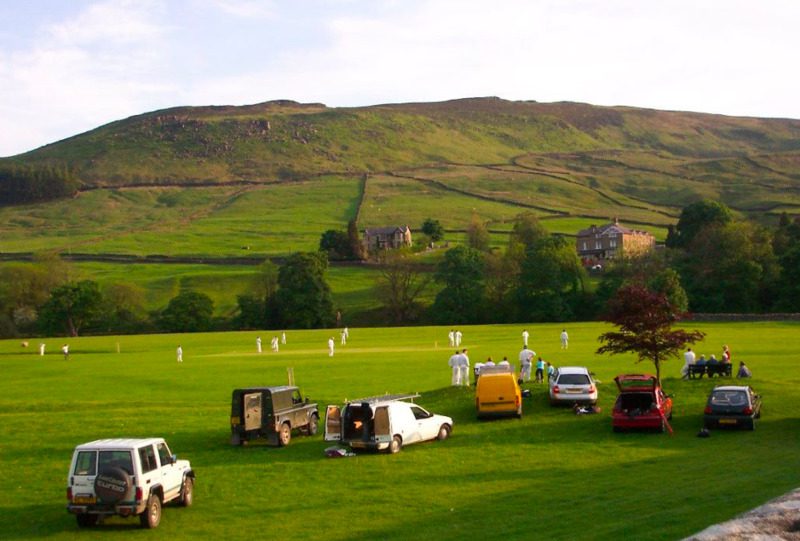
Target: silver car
573 384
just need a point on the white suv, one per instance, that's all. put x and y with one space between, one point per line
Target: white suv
126 477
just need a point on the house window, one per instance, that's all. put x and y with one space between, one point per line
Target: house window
613 243
584 246
598 245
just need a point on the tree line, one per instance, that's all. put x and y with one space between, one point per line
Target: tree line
28 184
712 262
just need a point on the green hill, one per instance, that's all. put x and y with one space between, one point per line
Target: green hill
271 177
266 180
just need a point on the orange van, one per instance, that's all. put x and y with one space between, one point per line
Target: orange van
497 393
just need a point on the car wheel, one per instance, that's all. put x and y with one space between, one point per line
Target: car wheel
85 520
313 425
151 517
285 435
187 497
444 432
395 445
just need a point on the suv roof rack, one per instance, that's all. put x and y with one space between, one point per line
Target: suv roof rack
384 398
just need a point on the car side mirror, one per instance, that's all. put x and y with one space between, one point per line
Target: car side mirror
173 459
306 400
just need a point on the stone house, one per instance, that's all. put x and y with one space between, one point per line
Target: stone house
385 238
596 245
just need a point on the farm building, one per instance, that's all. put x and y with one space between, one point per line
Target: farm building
598 244
384 238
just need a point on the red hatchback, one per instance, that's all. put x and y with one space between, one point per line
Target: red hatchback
641 403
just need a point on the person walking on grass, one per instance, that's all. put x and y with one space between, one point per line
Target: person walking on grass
463 368
258 344
65 351
525 335
179 353
564 339
525 362
455 369
331 345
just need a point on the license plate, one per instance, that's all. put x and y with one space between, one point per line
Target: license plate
84 499
728 421
577 391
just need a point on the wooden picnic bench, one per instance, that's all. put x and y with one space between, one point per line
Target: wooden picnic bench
711 370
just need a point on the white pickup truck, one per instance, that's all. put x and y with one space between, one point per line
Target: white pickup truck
126 477
384 423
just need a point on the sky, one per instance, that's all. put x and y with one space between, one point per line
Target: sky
67 67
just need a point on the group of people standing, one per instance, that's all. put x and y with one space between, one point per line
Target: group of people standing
459 362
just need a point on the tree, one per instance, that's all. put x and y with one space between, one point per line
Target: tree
70 307
303 299
122 308
527 230
356 246
729 268
645 320
336 244
399 285
462 298
433 229
697 217
477 234
189 311
550 275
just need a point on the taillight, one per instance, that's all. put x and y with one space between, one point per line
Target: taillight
69 493
139 494
707 410
591 389
516 401
748 410
555 389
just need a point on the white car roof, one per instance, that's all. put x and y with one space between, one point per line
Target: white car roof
732 388
573 370
119 443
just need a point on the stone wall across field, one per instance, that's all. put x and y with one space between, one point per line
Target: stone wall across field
745 317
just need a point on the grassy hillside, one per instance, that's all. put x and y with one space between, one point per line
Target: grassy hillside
268 179
550 475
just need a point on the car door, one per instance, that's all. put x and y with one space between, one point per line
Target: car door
333 423
252 411
384 424
426 424
82 476
171 475
150 472
404 419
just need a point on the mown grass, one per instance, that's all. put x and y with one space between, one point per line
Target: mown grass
550 475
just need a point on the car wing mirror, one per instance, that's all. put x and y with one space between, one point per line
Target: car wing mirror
173 459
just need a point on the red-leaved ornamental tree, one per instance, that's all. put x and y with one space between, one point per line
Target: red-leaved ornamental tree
645 322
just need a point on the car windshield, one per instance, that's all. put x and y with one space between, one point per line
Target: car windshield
728 398
573 379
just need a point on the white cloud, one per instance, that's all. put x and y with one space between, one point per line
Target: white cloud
248 9
100 65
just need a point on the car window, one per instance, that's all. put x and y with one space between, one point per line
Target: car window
116 459
296 398
147 458
86 464
573 379
164 454
419 413
728 398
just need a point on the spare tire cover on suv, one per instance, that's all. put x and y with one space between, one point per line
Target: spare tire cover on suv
111 484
